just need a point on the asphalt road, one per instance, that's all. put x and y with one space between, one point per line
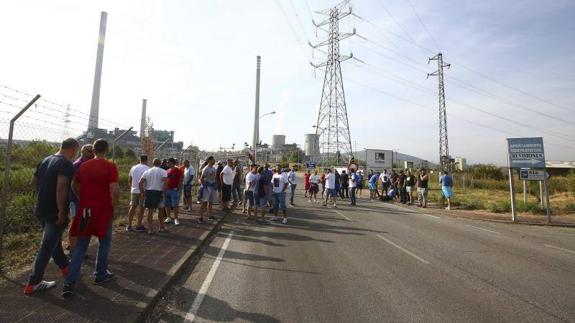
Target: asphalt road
378 263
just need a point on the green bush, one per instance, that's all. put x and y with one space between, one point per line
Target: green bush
500 207
20 213
482 171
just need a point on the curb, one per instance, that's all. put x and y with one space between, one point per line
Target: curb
455 216
192 256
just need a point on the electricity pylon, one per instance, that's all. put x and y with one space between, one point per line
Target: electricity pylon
332 126
444 158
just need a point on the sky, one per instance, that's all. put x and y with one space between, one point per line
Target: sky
194 61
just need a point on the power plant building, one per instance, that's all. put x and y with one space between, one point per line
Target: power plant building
311 144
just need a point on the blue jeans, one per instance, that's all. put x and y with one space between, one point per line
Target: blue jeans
237 192
51 247
352 196
80 252
292 191
279 200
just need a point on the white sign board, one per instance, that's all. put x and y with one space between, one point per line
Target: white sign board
378 159
533 175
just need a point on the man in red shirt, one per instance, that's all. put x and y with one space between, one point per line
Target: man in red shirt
172 199
96 183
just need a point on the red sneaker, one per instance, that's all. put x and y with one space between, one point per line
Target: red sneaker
64 271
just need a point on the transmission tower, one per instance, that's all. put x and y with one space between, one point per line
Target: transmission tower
444 158
332 127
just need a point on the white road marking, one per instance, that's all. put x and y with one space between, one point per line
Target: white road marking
343 215
559 248
403 249
482 229
191 315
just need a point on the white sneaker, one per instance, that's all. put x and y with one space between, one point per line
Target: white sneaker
176 222
168 220
43 285
284 221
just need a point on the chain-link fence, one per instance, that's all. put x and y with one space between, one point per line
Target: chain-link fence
30 130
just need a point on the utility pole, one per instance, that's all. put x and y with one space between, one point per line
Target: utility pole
332 126
444 158
256 138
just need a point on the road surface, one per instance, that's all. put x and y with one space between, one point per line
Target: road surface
378 263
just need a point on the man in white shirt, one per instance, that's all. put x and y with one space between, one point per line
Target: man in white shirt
279 186
384 178
152 185
137 200
292 183
353 178
251 182
330 188
227 179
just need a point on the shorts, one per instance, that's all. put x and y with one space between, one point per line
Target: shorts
226 193
447 191
172 198
409 189
249 196
137 200
209 194
372 186
152 199
330 192
188 191
422 191
314 188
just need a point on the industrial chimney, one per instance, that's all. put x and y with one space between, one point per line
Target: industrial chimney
95 107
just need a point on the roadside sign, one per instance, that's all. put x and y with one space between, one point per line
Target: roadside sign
526 152
310 165
533 175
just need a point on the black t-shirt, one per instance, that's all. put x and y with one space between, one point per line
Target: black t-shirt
410 180
401 179
47 174
344 179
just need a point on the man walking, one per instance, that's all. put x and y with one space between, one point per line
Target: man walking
172 200
152 185
292 184
446 182
279 183
137 199
52 184
86 153
227 179
97 185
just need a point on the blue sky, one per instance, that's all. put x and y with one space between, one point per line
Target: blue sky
195 63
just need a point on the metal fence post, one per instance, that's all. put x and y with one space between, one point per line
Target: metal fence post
115 141
7 164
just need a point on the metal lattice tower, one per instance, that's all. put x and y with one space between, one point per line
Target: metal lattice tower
444 158
332 125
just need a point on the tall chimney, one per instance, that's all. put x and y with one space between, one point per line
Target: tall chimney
143 121
95 107
256 138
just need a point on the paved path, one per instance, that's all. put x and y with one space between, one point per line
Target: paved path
378 263
143 264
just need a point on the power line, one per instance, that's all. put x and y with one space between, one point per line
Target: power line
423 25
294 32
379 2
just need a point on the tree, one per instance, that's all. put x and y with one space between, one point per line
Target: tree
130 154
294 158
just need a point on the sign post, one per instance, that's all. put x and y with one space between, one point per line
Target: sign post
529 154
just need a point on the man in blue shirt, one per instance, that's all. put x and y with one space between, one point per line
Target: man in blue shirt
447 188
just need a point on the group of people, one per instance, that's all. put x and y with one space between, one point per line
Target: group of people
387 186
87 191
81 196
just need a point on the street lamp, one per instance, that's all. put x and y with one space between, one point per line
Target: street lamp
267 114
